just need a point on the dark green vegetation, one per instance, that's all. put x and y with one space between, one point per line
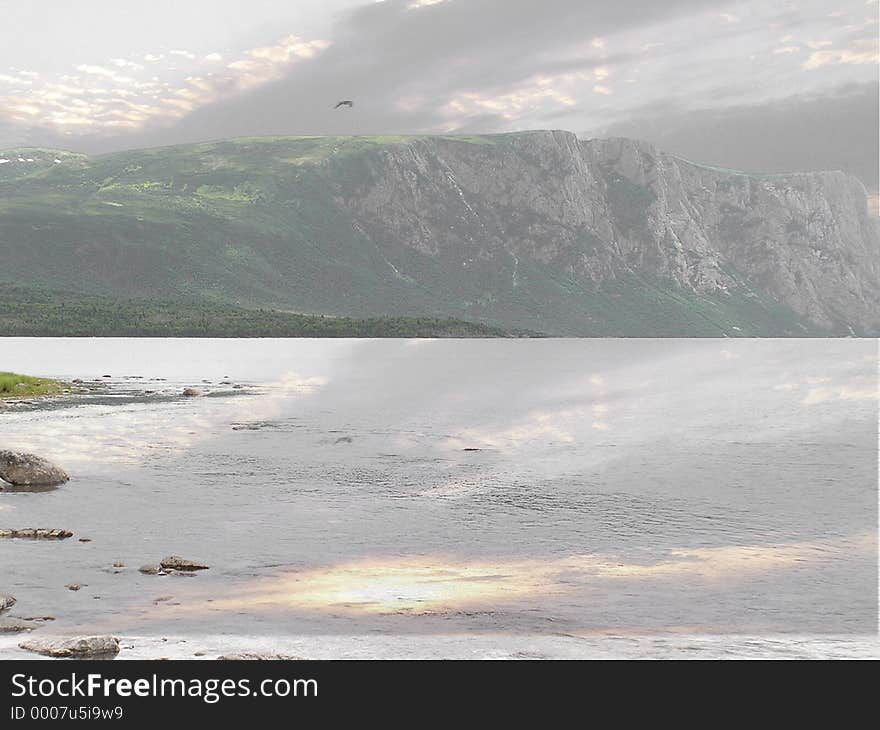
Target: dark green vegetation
13 385
245 231
27 312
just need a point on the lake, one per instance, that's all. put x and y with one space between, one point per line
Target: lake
453 498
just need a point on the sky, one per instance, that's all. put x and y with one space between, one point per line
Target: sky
762 85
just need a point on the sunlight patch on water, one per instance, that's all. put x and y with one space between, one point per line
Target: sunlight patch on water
437 584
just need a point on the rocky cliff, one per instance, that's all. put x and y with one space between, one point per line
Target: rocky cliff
535 230
600 210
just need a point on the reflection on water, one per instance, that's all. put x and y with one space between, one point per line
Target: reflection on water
456 486
437 585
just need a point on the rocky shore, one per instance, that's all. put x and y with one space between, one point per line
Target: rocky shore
24 471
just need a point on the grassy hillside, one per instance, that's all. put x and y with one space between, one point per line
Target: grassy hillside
27 312
239 227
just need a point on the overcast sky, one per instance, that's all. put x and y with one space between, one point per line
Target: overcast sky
766 84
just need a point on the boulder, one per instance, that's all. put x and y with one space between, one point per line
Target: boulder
28 470
80 647
175 562
37 533
191 392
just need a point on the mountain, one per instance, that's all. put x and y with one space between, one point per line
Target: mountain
533 231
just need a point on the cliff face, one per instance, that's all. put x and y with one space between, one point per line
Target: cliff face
594 211
536 230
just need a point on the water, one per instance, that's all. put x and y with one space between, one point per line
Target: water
454 497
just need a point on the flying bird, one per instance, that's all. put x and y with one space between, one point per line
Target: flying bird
345 102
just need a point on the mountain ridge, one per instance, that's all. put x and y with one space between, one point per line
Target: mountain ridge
539 231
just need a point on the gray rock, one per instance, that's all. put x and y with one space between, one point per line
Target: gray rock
73 586
79 647
22 469
192 392
150 569
16 626
175 562
37 533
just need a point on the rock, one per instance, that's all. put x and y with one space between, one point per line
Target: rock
85 539
79 647
256 656
471 448
29 470
175 562
118 564
192 392
73 586
150 569
16 626
344 440
6 601
37 533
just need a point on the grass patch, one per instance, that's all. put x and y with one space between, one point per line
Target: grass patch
13 385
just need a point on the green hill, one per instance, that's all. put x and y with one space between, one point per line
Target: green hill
481 229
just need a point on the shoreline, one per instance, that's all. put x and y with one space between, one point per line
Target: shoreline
17 389
477 646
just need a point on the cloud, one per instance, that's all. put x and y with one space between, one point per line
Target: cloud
133 102
850 392
535 93
774 136
416 4
860 51
492 65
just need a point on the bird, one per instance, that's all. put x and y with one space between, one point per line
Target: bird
345 102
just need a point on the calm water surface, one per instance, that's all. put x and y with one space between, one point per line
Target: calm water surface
503 498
